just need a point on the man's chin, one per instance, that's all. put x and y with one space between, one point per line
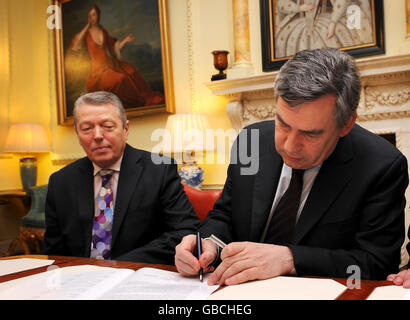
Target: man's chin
103 162
295 163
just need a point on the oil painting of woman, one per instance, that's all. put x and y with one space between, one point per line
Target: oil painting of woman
94 62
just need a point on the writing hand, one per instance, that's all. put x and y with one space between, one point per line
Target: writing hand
187 264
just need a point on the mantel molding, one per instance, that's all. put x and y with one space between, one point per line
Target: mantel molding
233 87
370 68
385 93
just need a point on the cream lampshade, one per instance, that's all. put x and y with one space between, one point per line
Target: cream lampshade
26 139
186 135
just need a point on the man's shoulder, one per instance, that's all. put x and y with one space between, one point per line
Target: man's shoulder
264 129
148 158
80 164
136 153
367 142
266 125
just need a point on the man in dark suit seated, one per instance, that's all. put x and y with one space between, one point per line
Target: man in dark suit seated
116 203
328 196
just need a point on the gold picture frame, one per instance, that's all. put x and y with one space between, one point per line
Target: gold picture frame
157 97
407 19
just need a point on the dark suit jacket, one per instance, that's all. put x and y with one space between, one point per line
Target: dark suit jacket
151 215
354 214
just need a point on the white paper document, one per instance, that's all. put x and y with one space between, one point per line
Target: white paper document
93 282
390 293
282 288
22 264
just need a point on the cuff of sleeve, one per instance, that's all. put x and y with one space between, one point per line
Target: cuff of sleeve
218 253
294 271
217 259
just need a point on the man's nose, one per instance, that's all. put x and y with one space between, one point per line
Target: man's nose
98 133
292 143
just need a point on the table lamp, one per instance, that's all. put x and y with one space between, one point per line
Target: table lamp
26 139
186 135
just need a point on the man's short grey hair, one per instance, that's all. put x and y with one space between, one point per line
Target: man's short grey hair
100 98
311 74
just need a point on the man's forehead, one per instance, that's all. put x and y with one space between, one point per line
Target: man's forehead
307 116
97 114
96 105
311 129
86 109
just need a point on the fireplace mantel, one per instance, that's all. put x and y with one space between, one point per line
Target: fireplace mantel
385 93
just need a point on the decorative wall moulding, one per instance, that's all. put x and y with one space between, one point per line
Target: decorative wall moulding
385 94
63 160
388 96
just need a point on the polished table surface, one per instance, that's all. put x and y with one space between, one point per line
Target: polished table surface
366 286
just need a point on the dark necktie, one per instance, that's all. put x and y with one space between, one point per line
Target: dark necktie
282 224
102 226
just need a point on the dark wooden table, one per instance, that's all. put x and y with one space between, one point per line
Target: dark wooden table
366 286
5 195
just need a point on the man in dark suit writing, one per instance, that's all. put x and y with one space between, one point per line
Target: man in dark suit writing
115 203
328 194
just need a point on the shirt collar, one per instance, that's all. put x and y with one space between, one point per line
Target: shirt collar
116 166
314 169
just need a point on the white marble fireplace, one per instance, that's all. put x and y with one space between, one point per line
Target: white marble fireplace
384 105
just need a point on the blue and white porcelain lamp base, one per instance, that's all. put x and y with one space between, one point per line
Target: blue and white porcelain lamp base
190 173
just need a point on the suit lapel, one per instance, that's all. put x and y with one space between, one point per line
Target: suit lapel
130 172
265 184
85 189
333 176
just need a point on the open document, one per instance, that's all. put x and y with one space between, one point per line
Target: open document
23 264
390 293
94 282
282 288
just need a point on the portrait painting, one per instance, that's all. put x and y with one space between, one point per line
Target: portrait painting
117 46
289 26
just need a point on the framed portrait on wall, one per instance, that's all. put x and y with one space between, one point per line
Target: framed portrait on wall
289 26
118 46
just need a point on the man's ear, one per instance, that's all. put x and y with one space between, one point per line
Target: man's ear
348 125
127 129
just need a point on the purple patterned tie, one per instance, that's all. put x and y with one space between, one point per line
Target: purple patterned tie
102 226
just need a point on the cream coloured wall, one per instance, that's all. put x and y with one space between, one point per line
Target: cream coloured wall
395 27
4 70
197 27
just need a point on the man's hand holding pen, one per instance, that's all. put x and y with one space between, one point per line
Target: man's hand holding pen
241 261
187 264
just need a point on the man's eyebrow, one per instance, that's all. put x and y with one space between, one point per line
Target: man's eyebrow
281 120
310 132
